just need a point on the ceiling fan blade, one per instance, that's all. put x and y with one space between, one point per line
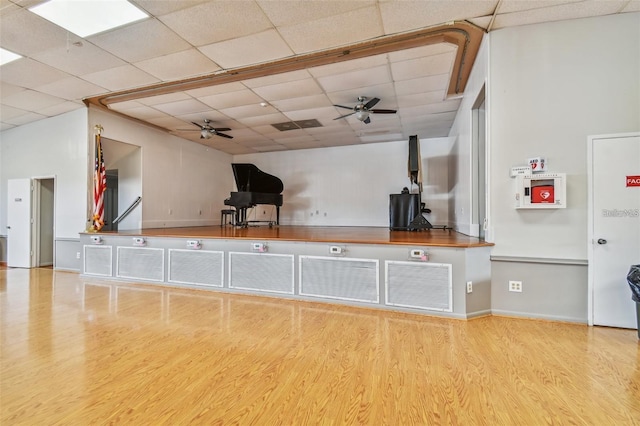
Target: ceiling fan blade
383 111
199 125
367 120
371 103
220 129
343 116
342 106
188 130
224 135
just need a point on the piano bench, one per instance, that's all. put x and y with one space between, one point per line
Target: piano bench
223 216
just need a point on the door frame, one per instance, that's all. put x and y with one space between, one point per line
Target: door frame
591 213
36 226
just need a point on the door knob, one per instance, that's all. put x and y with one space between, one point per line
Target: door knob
602 241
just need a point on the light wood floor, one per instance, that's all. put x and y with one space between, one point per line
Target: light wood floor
79 352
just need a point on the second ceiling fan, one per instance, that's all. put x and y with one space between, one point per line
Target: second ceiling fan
362 109
207 130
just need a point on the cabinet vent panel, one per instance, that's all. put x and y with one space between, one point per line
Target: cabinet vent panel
98 260
419 285
261 272
141 263
340 278
198 267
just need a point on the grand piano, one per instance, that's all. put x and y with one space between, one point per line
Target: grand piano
254 187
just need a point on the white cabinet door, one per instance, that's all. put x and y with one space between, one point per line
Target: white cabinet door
19 223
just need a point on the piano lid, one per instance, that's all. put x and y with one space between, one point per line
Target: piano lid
249 178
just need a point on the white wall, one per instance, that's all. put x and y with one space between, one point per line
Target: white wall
53 146
182 183
552 85
350 185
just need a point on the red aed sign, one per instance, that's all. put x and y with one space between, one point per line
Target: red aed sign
633 180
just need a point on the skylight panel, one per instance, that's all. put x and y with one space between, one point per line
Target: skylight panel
6 56
88 17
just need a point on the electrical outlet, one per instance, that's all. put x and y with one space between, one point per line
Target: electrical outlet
77 255
469 286
515 286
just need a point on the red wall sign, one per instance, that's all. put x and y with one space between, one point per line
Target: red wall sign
633 180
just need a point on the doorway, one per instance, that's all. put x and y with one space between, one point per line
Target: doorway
614 227
43 221
479 164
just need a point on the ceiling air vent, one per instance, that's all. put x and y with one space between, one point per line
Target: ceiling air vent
292 125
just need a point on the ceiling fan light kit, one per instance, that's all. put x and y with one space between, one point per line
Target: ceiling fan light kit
362 110
207 130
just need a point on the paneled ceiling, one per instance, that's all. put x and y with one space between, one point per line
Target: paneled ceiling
247 65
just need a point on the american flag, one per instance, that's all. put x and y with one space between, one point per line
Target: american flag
99 187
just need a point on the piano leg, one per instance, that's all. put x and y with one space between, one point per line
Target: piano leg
277 215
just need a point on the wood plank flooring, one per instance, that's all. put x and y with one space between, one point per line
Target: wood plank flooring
79 352
329 234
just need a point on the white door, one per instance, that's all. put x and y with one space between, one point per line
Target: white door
19 223
615 227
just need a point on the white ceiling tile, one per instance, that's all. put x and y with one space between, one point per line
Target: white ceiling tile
123 106
418 99
270 80
291 12
416 68
289 90
247 111
406 15
215 21
142 112
24 119
271 148
356 79
231 99
509 6
217 119
419 52
6 126
26 33
187 106
79 60
8 112
29 73
30 100
152 39
120 78
252 49
167 122
423 84
346 28
561 12
384 92
482 22
175 66
323 113
632 6
216 89
61 108
304 145
303 102
7 89
346 66
71 88
263 120
164 99
162 7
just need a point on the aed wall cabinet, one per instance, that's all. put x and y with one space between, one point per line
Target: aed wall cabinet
541 191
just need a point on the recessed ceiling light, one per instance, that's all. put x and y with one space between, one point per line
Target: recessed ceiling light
6 56
263 104
85 18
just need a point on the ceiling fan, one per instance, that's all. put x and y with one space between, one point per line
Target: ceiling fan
207 130
362 110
